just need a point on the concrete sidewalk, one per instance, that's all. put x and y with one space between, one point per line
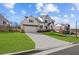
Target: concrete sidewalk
43 42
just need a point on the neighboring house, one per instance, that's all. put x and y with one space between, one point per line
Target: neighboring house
4 23
74 31
62 28
33 24
57 27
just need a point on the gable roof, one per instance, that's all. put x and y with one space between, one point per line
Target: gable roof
40 19
3 18
28 17
46 17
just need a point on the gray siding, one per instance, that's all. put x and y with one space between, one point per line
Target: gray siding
4 24
2 18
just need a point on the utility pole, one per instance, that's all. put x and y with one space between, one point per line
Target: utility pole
76 28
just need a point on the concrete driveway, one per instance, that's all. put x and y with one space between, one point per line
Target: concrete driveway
43 42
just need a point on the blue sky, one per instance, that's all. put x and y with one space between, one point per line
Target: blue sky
60 12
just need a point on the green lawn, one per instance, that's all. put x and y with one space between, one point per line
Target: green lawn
62 37
14 42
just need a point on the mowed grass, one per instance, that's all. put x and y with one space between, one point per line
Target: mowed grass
62 37
14 42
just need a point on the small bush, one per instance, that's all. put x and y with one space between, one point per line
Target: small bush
72 33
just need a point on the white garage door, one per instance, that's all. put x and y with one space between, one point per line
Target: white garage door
30 29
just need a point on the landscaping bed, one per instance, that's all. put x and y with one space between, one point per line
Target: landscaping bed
67 38
14 42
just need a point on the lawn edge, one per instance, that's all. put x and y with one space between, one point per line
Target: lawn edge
19 52
31 39
58 39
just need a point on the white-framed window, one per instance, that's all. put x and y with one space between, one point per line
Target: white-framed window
41 26
4 22
45 21
31 20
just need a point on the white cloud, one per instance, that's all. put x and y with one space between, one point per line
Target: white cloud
43 13
52 17
65 16
39 7
59 15
66 21
77 6
46 8
72 15
23 12
51 8
12 11
60 20
9 5
73 8
56 18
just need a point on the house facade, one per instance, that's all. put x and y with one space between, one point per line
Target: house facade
29 24
46 23
35 24
4 23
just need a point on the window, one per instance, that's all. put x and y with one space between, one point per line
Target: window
53 22
31 21
46 27
45 21
4 22
41 26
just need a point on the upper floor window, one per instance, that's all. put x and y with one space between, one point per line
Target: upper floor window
31 21
45 21
4 22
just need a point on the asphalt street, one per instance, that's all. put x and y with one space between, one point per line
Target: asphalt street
69 51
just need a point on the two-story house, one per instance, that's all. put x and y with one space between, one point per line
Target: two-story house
35 24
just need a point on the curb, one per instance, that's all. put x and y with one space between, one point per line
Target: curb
54 50
43 52
14 53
